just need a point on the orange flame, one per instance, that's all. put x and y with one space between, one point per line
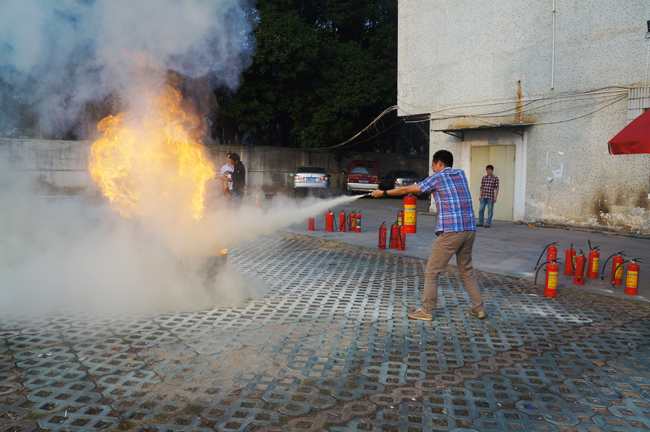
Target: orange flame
148 162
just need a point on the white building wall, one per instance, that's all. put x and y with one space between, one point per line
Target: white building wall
463 62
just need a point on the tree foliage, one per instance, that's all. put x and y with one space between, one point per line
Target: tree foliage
322 71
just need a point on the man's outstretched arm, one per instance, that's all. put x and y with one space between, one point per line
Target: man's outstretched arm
404 190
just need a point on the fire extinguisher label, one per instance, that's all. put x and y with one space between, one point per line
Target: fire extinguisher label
632 279
410 214
552 280
594 265
619 272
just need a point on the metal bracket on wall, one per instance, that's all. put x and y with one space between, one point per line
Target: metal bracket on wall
460 137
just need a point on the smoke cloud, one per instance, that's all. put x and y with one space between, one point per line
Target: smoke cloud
61 255
57 57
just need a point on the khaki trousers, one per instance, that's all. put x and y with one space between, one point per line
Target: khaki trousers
445 246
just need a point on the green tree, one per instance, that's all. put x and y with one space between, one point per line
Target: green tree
322 71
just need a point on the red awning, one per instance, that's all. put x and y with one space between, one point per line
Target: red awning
634 138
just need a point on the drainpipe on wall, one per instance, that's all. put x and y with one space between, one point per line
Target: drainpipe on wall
553 55
647 61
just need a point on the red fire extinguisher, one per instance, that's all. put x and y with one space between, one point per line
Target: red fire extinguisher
357 223
329 221
399 218
617 272
632 278
310 224
382 236
410 214
394 234
342 221
550 286
594 258
351 221
581 269
570 261
401 239
552 271
551 255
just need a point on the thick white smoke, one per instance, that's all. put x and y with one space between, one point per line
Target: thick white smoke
61 255
56 56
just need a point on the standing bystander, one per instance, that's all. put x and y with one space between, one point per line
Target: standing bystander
488 197
238 178
225 175
455 228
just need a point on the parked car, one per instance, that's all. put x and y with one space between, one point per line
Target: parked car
310 178
362 176
397 178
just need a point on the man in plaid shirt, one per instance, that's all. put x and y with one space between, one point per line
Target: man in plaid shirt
489 193
455 228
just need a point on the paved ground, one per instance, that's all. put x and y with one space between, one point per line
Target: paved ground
329 348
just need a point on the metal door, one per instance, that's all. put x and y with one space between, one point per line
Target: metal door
503 160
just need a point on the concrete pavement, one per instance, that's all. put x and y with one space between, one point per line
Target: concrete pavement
505 248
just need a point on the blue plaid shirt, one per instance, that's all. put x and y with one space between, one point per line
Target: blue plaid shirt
453 200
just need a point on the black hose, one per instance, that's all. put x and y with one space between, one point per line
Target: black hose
542 254
602 274
616 269
584 261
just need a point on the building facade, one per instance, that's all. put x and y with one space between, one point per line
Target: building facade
536 89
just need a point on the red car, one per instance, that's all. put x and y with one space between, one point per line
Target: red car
362 176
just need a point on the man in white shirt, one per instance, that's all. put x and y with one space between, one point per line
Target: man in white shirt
226 172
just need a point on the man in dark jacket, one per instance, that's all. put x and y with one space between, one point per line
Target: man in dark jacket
238 178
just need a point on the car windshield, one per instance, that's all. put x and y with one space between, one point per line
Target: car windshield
363 168
310 169
406 174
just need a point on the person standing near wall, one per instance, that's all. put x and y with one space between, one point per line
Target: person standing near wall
488 197
238 178
455 228
225 174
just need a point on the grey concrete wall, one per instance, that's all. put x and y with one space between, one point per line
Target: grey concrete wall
61 167
467 64
50 167
269 168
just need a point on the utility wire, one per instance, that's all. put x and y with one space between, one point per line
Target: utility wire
545 123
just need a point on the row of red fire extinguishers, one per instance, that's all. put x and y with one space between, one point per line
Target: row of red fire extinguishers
582 268
406 223
351 221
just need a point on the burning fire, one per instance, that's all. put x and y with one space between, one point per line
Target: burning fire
148 160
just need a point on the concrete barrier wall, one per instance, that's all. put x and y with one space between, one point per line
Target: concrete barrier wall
61 167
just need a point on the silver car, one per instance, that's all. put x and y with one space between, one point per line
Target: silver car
398 178
310 178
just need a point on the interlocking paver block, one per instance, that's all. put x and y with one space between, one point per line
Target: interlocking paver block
635 410
555 409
